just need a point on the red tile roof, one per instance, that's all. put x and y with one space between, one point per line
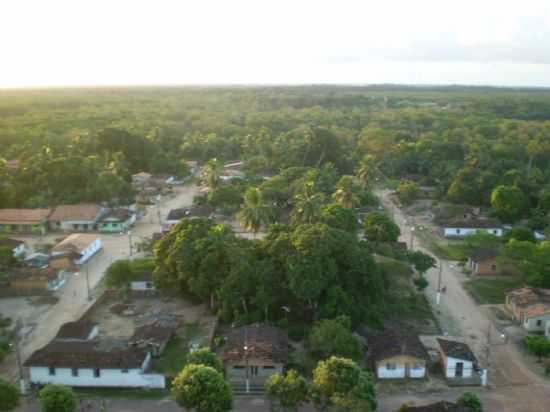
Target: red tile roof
80 212
262 342
23 216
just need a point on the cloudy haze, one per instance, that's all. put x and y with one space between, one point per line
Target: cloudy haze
73 42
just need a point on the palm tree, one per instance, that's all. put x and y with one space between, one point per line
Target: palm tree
307 205
255 211
344 194
211 173
366 170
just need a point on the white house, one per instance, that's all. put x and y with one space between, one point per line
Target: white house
394 356
85 364
76 218
530 307
86 245
457 359
17 246
463 228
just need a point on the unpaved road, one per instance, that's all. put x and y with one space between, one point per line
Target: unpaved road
513 387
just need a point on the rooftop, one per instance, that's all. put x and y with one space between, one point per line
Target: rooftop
79 330
143 175
79 212
390 343
528 296
155 334
22 216
262 342
195 211
33 273
76 242
482 254
473 224
456 349
11 243
118 214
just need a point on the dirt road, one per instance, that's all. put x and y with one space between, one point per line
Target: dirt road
512 385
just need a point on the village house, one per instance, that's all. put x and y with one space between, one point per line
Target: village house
33 221
80 330
17 247
28 279
37 260
153 338
251 354
84 244
530 307
116 221
64 262
76 218
458 360
483 262
193 212
141 179
463 228
394 356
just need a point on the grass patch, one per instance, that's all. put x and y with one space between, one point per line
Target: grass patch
174 356
103 393
491 291
455 251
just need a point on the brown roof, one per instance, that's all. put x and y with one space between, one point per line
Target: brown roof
262 342
76 242
156 334
457 350
63 354
528 296
442 406
390 343
120 214
11 243
483 254
75 330
33 273
537 309
23 216
194 211
473 224
83 211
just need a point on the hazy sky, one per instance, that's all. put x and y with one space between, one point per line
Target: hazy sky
96 42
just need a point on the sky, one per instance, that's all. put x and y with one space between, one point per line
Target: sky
166 42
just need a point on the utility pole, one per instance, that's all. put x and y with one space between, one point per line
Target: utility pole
246 359
412 238
22 384
130 241
438 296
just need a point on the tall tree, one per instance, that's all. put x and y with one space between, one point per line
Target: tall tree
288 392
211 173
509 203
307 205
255 211
345 194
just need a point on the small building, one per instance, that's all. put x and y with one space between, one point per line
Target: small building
32 221
230 174
87 364
457 359
64 262
442 406
193 212
152 338
17 247
463 228
394 356
26 279
143 282
530 307
76 218
85 245
483 262
116 221
254 353
37 260
80 330
141 178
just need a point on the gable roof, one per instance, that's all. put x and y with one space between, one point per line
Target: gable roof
442 406
86 354
472 224
79 212
262 342
23 216
483 254
188 212
524 297
79 330
76 242
118 214
11 243
33 273
390 343
457 350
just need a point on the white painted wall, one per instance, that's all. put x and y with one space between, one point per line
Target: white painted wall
384 373
417 373
91 250
20 250
467 370
94 332
142 285
530 324
463 232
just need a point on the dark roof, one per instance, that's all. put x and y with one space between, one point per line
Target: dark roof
480 255
442 406
262 342
33 273
63 354
457 350
119 214
75 330
390 344
156 334
195 211
473 223
11 243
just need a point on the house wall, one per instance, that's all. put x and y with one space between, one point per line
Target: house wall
463 232
405 367
75 225
450 367
135 378
91 250
19 250
536 323
142 285
236 371
484 268
7 227
64 263
116 226
94 332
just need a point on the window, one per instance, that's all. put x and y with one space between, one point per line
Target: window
74 372
495 232
149 285
97 373
51 371
124 371
493 267
539 322
458 231
391 366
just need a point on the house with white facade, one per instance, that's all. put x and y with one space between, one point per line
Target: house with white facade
85 245
463 228
76 218
530 307
17 246
458 360
116 221
395 356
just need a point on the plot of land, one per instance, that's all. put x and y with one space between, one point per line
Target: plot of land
491 290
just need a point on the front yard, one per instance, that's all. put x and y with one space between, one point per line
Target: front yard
491 290
173 359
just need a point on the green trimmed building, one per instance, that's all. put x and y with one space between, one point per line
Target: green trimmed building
31 221
116 221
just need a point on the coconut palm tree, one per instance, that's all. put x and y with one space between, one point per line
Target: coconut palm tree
307 205
366 170
345 195
211 173
255 211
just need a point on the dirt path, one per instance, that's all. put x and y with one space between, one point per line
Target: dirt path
514 385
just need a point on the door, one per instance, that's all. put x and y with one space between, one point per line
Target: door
459 369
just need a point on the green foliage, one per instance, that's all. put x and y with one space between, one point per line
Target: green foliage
57 398
421 261
7 260
521 233
509 202
204 356
226 198
339 217
379 227
288 391
202 388
470 400
121 272
538 346
421 283
407 192
333 337
256 211
9 396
